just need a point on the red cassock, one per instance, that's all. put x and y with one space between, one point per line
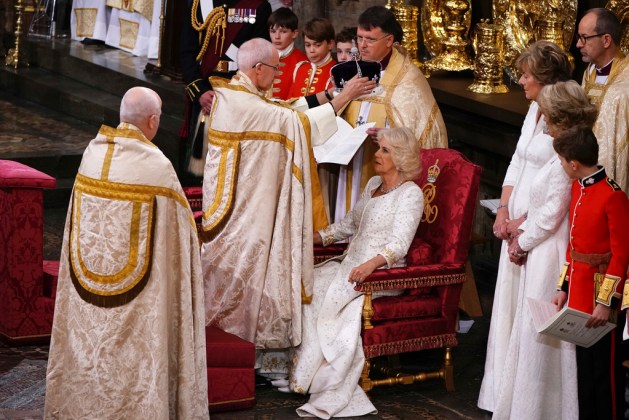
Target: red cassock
284 80
599 242
306 83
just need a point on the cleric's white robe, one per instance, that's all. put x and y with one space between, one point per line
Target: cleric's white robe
136 30
128 337
89 19
330 359
533 151
257 213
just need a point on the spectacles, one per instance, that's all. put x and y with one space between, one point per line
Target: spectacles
584 38
275 68
370 41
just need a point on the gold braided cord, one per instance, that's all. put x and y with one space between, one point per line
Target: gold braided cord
214 24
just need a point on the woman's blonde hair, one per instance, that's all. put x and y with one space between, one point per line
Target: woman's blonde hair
404 151
546 62
565 105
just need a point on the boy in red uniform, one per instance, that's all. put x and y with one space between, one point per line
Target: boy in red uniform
283 30
313 76
597 261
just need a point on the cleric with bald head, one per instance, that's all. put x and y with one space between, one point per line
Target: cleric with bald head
128 335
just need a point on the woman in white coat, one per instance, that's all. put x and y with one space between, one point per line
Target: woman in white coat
541 64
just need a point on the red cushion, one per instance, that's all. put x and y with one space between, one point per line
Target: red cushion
226 350
51 275
419 253
230 389
406 306
15 174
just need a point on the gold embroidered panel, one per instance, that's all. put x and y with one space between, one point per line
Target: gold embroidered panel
128 33
85 21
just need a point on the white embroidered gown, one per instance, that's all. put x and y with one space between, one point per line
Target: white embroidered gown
524 371
329 361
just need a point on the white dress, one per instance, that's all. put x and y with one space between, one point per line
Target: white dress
329 361
539 378
533 151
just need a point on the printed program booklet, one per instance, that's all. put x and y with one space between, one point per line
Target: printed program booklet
568 324
343 145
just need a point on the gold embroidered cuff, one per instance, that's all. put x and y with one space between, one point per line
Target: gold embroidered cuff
389 256
193 90
326 236
608 290
562 275
625 296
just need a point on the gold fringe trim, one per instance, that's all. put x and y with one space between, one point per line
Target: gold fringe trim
415 344
411 283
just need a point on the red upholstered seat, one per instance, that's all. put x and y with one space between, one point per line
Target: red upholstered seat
26 315
230 373
425 315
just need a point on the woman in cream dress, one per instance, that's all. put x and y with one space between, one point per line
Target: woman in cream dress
539 377
543 63
329 361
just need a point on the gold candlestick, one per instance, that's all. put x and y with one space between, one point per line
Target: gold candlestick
455 56
489 61
15 54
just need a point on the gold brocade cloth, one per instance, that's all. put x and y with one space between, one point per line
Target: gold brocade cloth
128 338
612 125
257 215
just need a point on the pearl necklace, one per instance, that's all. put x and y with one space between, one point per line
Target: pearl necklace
388 190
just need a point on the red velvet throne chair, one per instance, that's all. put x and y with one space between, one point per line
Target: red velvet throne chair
27 299
425 315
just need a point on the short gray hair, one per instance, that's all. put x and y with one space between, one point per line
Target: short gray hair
138 104
254 51
566 105
404 151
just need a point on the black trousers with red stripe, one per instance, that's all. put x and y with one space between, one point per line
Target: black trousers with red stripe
601 377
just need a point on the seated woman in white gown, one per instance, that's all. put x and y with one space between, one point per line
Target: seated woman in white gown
329 361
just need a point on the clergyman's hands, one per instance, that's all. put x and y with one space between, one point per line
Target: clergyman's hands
205 100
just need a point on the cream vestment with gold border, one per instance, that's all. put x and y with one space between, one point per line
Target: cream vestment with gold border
128 337
405 101
612 125
257 213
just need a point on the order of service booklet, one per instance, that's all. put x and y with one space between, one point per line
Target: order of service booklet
567 324
342 146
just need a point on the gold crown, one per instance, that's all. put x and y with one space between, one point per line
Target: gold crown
433 172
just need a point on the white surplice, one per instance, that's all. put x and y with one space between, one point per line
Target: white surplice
533 151
330 359
539 378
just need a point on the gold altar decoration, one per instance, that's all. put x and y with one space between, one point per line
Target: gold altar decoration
488 65
621 10
552 30
518 17
407 16
15 57
455 18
